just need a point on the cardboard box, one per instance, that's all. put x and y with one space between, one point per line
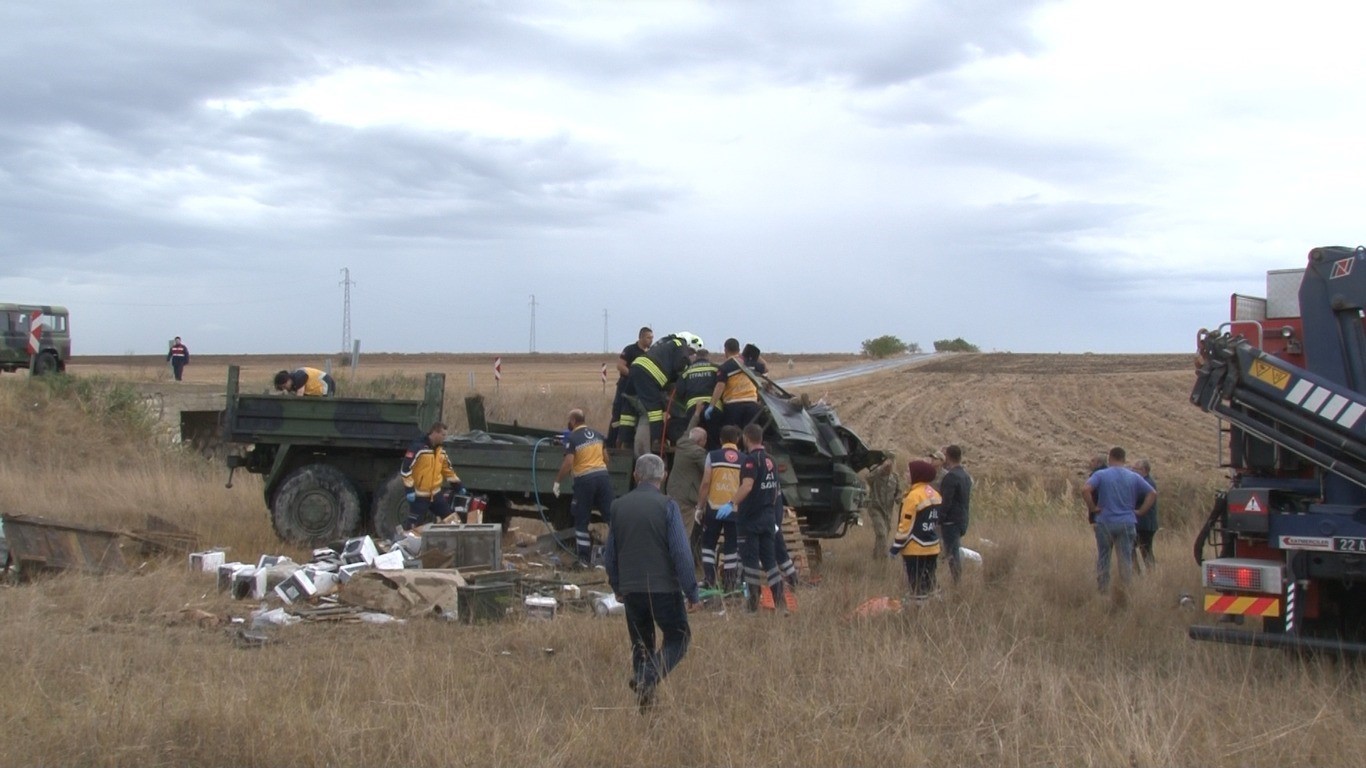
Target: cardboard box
207 561
538 607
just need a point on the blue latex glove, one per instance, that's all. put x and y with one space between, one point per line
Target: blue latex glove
564 436
459 489
724 511
708 411
411 497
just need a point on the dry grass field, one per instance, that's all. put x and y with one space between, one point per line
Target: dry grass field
1023 664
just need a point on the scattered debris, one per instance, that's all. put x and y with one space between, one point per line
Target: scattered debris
875 606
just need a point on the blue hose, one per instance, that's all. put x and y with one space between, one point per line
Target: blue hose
540 508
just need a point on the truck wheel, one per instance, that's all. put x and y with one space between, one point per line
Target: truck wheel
45 364
390 508
316 504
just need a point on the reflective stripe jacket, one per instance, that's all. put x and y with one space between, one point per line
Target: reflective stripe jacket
425 467
664 360
917 533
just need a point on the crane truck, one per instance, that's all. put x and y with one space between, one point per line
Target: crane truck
1286 375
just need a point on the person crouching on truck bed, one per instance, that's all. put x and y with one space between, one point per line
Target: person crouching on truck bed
425 468
310 382
585 458
917 534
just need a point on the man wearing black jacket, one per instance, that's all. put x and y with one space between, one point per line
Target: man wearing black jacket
956 489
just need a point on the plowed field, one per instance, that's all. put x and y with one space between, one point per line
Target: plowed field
1019 415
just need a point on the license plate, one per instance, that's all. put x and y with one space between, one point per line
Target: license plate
1349 544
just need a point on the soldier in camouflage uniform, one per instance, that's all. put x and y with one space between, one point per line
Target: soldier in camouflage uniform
885 490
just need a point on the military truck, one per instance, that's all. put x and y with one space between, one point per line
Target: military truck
35 337
330 465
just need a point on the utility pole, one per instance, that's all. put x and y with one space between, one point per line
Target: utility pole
604 331
346 284
533 322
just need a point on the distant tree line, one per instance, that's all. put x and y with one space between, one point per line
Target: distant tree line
886 346
954 345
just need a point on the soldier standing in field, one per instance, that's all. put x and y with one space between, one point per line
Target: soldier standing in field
179 357
884 501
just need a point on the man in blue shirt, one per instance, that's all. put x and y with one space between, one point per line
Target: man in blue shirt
1110 495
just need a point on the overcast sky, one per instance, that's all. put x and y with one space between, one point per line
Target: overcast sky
1030 176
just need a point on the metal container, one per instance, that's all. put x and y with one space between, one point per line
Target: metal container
478 603
469 546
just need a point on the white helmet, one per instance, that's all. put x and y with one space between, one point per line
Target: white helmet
691 339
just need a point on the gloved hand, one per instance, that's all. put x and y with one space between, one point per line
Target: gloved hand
893 552
724 511
411 496
555 489
564 436
459 489
697 515
708 411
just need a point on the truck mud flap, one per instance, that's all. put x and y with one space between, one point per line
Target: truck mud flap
1272 640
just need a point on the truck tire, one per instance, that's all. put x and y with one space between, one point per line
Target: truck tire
316 504
390 508
45 364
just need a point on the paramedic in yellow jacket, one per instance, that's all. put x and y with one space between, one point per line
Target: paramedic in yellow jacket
425 469
586 459
917 534
309 382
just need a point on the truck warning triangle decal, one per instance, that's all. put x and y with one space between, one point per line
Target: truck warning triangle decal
1252 505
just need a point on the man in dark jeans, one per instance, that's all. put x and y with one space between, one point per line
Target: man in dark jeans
956 489
650 568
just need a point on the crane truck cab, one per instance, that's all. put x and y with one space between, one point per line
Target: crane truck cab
1286 375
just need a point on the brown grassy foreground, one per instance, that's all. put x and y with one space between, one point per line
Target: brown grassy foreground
1023 665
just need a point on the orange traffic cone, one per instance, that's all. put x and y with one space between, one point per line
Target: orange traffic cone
766 598
790 599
